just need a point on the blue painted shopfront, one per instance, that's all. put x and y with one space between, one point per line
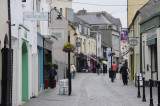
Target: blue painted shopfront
40 56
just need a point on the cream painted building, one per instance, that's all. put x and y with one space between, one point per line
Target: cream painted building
134 54
133 7
62 5
4 38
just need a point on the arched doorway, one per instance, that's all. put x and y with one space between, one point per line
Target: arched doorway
24 71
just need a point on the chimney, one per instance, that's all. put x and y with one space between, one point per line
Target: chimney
82 12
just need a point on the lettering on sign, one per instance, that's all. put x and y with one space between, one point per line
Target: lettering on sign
35 16
133 42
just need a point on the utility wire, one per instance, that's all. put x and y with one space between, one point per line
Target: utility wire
100 4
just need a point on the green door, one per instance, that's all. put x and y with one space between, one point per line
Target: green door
132 67
24 72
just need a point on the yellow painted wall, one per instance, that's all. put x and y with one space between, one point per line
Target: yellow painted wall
133 6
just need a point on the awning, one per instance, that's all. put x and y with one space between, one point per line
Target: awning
92 58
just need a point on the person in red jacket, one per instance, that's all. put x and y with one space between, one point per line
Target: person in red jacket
114 68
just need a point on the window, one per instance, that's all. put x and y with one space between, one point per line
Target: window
88 31
144 54
85 30
80 28
61 11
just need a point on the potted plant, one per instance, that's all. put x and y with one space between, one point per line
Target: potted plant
68 47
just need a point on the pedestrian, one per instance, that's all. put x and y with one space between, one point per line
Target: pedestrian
114 69
98 68
73 71
119 67
124 73
52 74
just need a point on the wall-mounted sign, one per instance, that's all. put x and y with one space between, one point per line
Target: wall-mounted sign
58 33
133 42
151 34
35 16
78 44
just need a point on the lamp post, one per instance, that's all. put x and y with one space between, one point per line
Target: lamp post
69 74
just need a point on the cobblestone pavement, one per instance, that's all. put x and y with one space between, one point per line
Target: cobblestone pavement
90 89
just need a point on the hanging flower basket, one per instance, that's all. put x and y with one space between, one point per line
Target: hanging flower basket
68 47
112 53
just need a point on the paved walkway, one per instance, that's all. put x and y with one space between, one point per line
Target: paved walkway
90 89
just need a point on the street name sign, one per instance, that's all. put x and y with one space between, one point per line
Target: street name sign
35 16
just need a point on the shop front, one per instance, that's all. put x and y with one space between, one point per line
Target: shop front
150 32
47 57
40 62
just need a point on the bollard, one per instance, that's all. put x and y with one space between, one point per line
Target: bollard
139 95
158 93
144 96
151 100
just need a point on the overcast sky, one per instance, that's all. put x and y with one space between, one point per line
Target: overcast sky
115 11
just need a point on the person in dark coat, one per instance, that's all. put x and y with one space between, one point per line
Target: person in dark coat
124 74
52 74
98 68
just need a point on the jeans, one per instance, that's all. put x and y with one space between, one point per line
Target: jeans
98 71
72 75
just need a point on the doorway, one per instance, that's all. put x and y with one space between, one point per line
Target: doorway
24 71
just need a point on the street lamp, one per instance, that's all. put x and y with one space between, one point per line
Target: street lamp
69 74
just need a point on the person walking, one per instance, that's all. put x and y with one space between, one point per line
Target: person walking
52 74
73 71
124 73
114 69
98 68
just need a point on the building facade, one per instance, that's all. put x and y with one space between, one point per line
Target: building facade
150 31
133 6
24 44
4 38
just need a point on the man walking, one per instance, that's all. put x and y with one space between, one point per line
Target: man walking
124 73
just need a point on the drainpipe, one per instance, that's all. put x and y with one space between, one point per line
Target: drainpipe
9 24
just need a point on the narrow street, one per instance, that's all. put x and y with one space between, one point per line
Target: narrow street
90 89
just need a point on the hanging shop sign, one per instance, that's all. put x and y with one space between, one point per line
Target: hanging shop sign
133 42
35 16
78 44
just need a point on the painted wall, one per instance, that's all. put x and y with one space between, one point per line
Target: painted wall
133 9
40 47
3 32
61 4
57 47
30 36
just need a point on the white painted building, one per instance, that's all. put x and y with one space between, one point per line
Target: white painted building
24 44
3 34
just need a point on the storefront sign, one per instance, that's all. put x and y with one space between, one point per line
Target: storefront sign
133 42
151 34
78 44
124 35
35 16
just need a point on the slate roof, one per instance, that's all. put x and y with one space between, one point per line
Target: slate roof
94 19
99 18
